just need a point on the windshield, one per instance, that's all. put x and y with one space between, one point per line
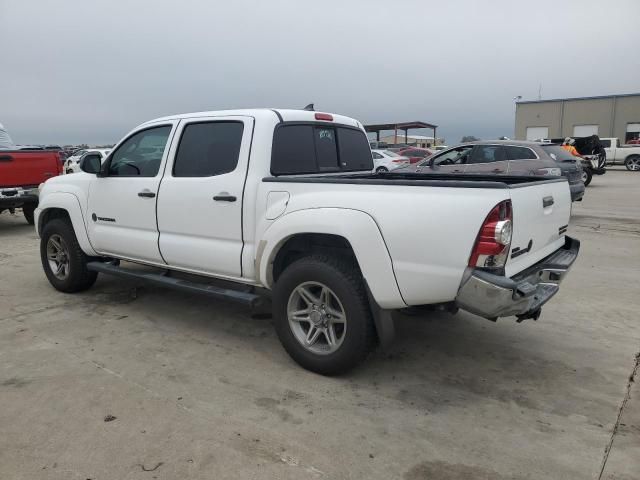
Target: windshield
389 153
558 153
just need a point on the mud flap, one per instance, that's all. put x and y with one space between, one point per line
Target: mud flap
383 321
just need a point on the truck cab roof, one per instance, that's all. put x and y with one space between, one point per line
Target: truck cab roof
279 115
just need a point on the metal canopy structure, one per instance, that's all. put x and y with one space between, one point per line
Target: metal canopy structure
403 126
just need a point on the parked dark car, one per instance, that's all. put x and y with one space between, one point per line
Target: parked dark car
506 157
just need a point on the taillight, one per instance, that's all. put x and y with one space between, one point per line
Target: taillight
494 239
549 172
324 116
402 160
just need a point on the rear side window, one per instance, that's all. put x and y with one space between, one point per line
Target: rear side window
208 149
519 153
487 154
308 148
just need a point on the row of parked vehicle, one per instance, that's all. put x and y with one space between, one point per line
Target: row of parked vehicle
496 157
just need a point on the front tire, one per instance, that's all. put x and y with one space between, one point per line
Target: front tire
63 261
586 177
322 314
633 163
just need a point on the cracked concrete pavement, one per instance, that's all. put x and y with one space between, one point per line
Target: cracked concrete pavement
200 389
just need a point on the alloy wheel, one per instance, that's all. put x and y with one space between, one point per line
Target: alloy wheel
58 256
317 318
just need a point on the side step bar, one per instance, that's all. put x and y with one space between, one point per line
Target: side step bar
245 298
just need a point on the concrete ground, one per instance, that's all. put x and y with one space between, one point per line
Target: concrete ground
195 388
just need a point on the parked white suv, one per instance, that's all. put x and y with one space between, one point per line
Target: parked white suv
282 205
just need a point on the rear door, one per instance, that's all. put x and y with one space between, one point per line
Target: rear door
27 168
488 159
541 213
523 160
200 198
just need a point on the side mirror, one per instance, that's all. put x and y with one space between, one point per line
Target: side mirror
91 164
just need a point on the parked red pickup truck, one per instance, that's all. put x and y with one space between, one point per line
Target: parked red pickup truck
21 171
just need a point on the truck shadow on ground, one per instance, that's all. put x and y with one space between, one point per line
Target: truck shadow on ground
438 360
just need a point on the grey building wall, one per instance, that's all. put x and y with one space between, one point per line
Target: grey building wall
627 111
611 114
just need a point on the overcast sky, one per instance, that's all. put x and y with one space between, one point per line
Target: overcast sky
88 71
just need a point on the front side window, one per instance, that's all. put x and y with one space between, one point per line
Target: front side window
140 155
207 149
456 156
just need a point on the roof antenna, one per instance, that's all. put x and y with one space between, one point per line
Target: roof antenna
309 108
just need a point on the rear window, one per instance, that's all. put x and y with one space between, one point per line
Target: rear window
309 148
558 153
519 153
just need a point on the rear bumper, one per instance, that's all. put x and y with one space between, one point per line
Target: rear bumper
492 296
17 197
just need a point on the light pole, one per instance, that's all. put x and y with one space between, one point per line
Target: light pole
515 107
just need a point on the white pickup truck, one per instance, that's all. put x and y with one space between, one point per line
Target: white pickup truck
282 205
627 155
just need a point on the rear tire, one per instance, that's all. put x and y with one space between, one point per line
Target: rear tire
339 310
381 170
63 261
28 210
633 163
586 177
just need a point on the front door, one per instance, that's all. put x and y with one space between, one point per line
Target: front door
200 199
121 218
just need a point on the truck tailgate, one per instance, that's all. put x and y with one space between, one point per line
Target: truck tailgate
541 214
27 168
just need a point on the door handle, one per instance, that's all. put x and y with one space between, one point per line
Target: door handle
497 170
146 194
6 158
225 197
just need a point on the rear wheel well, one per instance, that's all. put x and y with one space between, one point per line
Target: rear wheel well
51 214
305 244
